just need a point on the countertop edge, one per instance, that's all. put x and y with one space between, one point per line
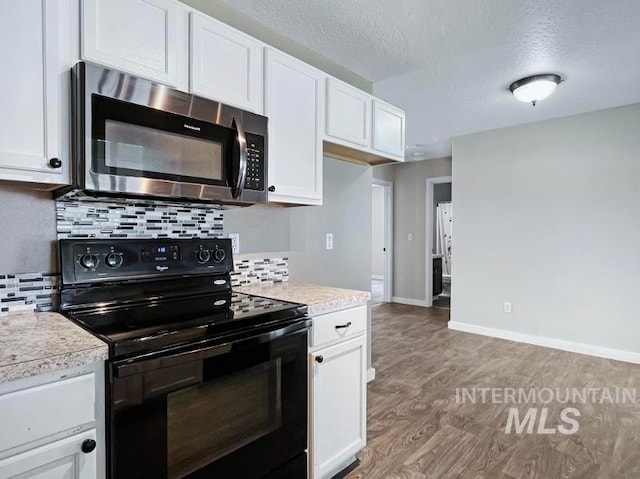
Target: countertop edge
50 364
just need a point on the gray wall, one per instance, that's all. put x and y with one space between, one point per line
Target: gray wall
221 11
548 218
301 230
262 228
346 213
409 216
27 230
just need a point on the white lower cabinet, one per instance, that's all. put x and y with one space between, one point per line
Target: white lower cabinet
61 459
53 426
338 422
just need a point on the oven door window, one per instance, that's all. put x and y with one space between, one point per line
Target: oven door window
138 141
244 410
209 421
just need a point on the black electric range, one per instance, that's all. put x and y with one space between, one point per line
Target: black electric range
215 381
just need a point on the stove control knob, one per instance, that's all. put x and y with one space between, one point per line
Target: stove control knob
219 255
113 260
89 261
202 256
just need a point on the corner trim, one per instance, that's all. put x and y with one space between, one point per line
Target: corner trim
580 348
371 374
410 301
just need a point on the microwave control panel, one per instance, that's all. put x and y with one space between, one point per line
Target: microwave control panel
255 163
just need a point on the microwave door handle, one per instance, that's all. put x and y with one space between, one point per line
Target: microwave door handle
242 170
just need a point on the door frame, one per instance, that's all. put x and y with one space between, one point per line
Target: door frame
388 236
428 233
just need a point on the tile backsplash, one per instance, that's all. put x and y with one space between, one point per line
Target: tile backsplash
259 271
28 292
106 219
138 219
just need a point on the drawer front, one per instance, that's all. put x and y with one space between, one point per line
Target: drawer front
331 327
41 411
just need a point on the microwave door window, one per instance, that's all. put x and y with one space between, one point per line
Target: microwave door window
139 149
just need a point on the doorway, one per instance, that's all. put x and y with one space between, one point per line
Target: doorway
381 241
439 229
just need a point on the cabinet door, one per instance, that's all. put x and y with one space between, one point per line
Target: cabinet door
348 113
34 100
339 405
60 459
225 65
293 103
388 129
136 36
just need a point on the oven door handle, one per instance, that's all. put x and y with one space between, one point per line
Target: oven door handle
135 366
242 160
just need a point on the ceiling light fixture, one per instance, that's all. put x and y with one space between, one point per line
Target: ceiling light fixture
535 88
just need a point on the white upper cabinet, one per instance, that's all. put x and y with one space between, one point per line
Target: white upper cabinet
361 128
294 97
137 36
34 136
348 113
226 65
388 129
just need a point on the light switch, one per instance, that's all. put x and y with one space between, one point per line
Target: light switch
410 237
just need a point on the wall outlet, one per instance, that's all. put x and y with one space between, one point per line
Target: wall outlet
507 308
329 241
410 237
235 242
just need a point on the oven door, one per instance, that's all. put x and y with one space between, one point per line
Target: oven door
233 410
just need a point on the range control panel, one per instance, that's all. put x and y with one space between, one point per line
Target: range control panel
91 261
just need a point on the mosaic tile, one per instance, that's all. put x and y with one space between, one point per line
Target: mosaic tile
260 271
28 292
137 219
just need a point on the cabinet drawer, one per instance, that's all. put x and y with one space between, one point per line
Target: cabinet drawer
341 324
41 411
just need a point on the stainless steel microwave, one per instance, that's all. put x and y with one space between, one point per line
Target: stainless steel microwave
137 138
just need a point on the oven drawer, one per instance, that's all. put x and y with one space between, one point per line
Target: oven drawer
41 411
331 327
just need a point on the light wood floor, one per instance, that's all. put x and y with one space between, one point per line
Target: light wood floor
417 430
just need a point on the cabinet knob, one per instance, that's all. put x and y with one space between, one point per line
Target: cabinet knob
272 188
55 163
319 359
88 445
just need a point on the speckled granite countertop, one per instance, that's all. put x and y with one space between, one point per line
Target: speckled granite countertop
320 299
39 343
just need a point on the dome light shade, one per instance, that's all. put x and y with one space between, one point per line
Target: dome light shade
535 88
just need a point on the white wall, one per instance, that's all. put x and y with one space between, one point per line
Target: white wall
377 231
548 217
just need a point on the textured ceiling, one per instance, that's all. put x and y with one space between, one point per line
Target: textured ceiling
448 63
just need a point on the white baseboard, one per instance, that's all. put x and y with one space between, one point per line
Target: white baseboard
410 301
371 374
580 348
